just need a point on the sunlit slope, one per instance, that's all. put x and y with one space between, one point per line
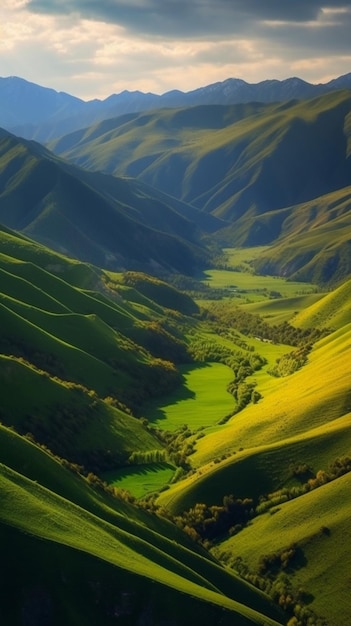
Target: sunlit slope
279 310
255 472
319 523
331 311
114 532
310 405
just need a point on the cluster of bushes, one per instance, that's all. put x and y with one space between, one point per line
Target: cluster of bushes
291 362
205 523
179 445
160 342
250 324
341 465
158 378
139 457
277 585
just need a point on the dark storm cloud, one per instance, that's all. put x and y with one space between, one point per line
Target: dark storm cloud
191 18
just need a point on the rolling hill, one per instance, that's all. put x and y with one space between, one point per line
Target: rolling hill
311 240
99 557
71 337
252 527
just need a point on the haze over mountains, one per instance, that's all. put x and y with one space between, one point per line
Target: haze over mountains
36 112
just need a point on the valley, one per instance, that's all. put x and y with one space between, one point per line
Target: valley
175 326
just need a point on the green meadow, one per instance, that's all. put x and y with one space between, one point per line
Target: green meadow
201 401
255 286
141 480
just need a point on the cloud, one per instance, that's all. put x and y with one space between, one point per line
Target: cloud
94 48
195 18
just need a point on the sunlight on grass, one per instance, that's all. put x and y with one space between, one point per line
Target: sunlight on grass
141 480
245 286
202 400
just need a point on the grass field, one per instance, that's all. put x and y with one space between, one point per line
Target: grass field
253 285
244 287
142 480
201 401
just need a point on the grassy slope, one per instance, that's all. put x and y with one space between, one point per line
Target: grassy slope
328 559
111 530
72 422
332 311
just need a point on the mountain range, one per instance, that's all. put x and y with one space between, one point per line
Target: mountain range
267 171
36 112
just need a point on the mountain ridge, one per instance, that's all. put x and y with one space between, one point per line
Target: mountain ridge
60 113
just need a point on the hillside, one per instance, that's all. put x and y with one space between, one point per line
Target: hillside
106 221
282 456
90 345
221 158
312 239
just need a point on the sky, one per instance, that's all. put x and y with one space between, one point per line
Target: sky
93 48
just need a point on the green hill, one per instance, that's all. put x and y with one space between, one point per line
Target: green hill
83 357
110 222
332 311
314 241
318 525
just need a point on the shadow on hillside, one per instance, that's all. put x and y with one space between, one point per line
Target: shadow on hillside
137 470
